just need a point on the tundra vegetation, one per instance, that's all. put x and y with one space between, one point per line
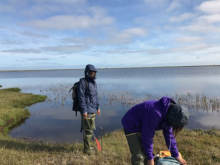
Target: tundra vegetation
58 96
198 147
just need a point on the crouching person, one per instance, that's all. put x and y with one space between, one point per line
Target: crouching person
141 122
89 105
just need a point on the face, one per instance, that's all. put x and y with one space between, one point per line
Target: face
92 74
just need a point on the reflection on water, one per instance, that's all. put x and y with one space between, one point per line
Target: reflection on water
53 120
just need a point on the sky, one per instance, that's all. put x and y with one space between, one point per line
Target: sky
69 34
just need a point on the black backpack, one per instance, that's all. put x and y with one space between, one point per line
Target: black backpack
76 107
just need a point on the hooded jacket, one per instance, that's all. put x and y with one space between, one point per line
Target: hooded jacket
88 98
148 117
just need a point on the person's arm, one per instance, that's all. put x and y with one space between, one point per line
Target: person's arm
81 89
97 101
171 142
149 127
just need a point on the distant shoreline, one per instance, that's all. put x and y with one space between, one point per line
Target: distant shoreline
109 68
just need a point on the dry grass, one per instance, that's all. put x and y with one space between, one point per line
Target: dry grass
198 147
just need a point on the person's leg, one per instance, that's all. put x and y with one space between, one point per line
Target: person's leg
136 149
87 126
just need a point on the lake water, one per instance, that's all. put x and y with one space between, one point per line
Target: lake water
119 89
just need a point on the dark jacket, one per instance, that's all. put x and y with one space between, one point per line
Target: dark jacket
148 117
88 98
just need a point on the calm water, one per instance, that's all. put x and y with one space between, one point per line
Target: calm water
119 89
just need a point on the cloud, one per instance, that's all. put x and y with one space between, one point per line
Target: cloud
22 51
112 52
54 49
10 42
210 7
173 6
207 22
156 51
2 26
17 2
125 36
33 34
66 49
210 18
191 48
166 51
86 41
48 63
6 8
40 59
128 33
41 7
143 20
63 1
64 22
201 27
182 17
189 39
115 38
155 3
98 17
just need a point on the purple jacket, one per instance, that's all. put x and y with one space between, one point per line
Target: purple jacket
148 117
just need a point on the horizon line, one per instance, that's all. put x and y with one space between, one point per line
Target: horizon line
23 70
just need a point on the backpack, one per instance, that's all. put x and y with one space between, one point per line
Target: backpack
76 107
167 161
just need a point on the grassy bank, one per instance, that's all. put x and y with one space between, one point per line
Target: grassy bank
12 107
198 147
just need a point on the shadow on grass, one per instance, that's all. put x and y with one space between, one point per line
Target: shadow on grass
35 146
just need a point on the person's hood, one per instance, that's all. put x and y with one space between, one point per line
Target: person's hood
88 68
164 103
177 115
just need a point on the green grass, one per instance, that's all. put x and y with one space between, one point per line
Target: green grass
11 90
12 107
198 147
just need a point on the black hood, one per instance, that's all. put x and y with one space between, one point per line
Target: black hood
88 68
177 115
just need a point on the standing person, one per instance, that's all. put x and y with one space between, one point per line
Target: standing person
141 122
89 104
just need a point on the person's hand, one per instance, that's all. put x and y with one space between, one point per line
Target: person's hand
181 161
150 162
85 115
98 112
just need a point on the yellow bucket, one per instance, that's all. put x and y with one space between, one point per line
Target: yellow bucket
167 153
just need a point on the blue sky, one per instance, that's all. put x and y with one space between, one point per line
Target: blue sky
55 34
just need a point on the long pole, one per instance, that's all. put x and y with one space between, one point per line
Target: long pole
101 137
97 142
